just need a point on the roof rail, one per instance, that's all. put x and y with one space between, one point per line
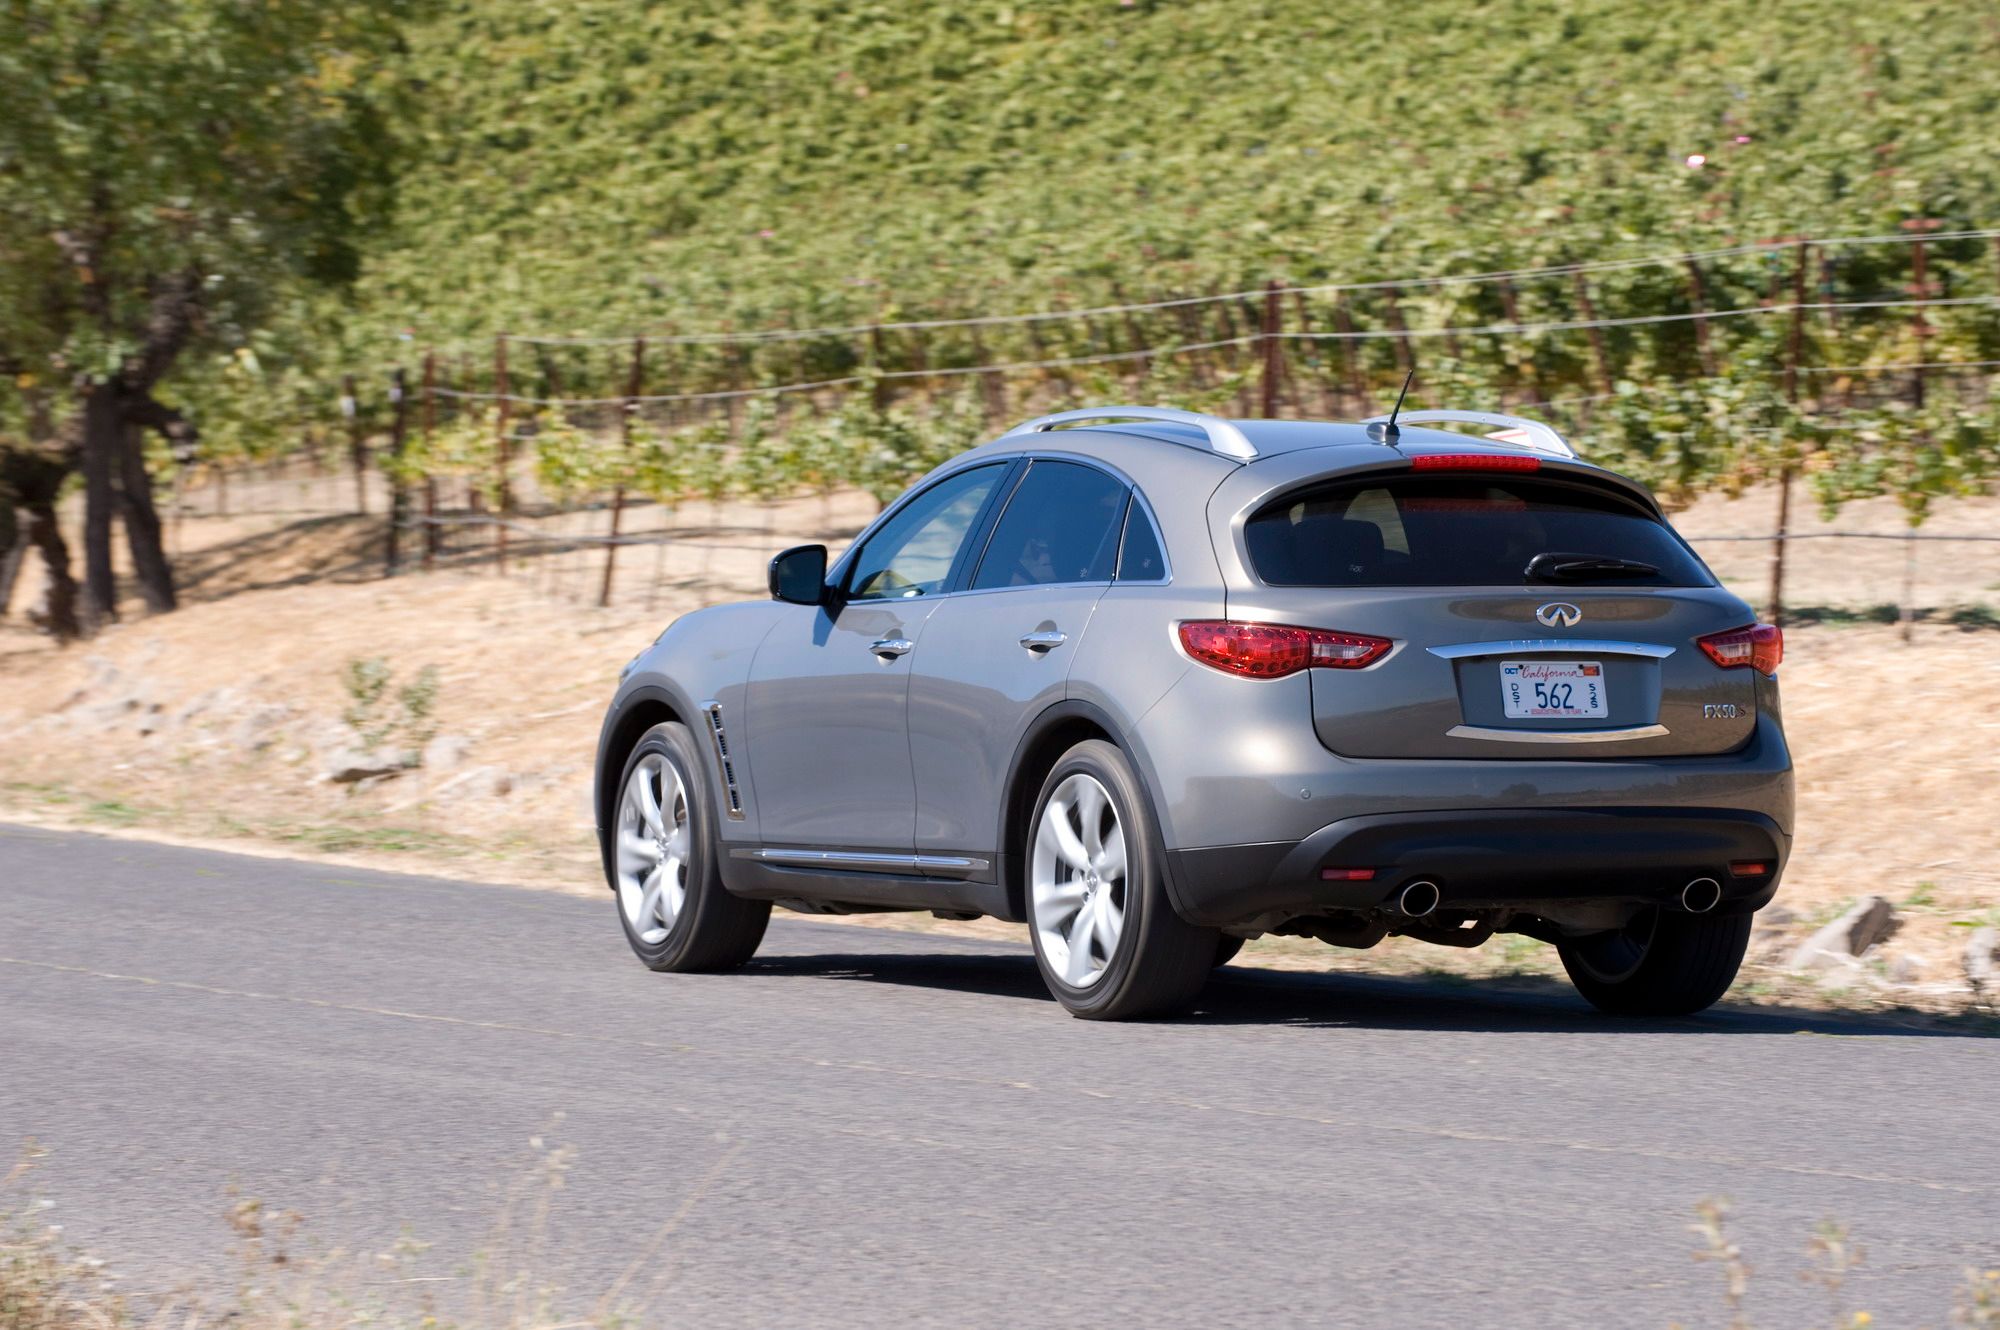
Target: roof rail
1223 437
1532 435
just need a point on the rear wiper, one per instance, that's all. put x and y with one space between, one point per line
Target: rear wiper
1555 567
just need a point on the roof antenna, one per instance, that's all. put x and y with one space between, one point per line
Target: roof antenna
1385 431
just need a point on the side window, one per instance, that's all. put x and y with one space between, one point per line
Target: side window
1060 526
1140 558
913 552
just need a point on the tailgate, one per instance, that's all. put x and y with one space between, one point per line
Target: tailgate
1478 675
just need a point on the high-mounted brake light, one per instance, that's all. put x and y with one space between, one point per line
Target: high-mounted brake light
1759 645
1474 462
1274 650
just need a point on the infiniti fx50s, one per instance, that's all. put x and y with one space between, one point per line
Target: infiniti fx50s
1154 682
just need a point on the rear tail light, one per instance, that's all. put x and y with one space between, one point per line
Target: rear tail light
1760 645
1274 650
1475 462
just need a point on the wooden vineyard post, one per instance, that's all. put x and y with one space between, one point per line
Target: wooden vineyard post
430 480
1349 357
1599 352
992 383
1795 347
635 386
1921 330
1406 355
502 451
1273 348
1317 358
357 442
1698 300
399 493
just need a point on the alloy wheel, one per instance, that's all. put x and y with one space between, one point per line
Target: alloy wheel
653 841
1077 880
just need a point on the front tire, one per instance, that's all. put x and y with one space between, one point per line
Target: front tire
675 911
1107 940
1663 963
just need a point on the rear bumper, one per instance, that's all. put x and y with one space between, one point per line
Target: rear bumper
1485 858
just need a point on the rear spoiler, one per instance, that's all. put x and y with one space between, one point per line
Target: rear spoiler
1514 431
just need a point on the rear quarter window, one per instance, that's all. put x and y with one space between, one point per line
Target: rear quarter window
1462 531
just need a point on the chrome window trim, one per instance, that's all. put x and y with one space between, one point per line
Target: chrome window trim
1556 736
1587 645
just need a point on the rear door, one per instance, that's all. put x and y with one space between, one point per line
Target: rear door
1535 616
998 653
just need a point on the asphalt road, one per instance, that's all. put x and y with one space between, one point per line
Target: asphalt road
870 1127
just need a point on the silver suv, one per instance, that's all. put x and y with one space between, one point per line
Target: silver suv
1154 682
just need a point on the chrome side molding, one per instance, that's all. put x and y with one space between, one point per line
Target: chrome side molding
1573 646
865 861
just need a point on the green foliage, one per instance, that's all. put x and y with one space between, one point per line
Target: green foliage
377 716
176 175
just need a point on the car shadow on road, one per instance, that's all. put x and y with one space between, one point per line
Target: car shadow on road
1346 1000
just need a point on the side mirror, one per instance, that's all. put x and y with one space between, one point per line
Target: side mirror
798 576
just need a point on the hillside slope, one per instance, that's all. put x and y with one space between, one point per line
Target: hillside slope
611 164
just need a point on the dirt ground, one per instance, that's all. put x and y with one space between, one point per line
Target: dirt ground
222 722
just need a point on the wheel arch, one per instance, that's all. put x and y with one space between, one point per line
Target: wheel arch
1051 734
635 711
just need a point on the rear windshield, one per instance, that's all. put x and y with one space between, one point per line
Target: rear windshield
1464 531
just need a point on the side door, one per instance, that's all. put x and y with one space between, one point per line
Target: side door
827 700
998 653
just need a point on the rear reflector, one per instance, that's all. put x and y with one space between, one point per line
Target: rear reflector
1760 645
1274 650
1347 874
1474 462
1748 868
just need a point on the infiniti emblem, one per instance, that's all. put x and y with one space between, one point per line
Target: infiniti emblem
1559 612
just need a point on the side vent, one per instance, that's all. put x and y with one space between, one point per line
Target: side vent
731 792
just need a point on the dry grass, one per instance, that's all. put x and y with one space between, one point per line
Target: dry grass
47 1285
216 724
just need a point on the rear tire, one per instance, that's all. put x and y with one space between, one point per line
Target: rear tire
676 913
1107 940
1663 963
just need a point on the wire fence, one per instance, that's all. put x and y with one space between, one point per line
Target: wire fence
677 451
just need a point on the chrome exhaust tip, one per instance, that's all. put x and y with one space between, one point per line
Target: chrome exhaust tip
1418 899
1701 895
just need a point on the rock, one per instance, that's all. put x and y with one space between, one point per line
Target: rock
1776 916
447 752
1982 959
1868 924
257 730
1903 970
354 766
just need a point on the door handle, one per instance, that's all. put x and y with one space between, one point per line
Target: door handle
888 648
1043 641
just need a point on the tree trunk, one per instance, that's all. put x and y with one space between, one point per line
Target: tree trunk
13 551
103 440
59 610
142 525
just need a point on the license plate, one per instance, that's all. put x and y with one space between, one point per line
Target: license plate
1553 689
